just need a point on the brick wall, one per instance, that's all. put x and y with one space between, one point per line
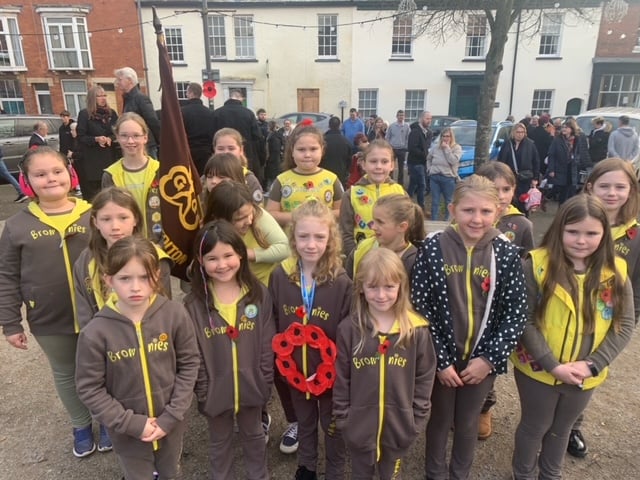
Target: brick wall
610 43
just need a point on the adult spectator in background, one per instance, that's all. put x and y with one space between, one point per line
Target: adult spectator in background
135 101
369 125
199 125
96 139
420 139
379 130
521 156
275 149
263 124
39 135
337 151
351 126
623 141
442 166
535 120
568 154
542 136
64 133
599 139
398 136
233 114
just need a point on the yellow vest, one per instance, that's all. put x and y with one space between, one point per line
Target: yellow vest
362 199
261 270
296 188
563 326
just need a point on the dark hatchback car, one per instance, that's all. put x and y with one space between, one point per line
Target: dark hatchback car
15 132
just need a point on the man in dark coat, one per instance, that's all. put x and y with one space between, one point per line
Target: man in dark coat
39 135
135 101
233 114
337 152
199 125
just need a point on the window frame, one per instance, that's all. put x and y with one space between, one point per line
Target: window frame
632 89
542 105
367 102
476 31
74 100
551 31
401 41
411 103
78 33
217 37
174 40
181 90
245 45
328 39
12 104
11 42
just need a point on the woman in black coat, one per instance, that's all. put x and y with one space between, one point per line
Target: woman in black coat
521 155
568 154
97 141
599 139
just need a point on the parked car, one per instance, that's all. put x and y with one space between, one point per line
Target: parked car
15 132
611 115
320 120
465 133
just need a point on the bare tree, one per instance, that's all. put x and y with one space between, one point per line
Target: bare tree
442 18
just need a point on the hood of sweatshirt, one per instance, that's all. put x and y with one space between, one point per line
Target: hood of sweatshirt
627 131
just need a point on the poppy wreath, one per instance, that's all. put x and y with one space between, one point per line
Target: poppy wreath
297 335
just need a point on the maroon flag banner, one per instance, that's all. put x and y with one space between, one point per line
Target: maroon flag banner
180 184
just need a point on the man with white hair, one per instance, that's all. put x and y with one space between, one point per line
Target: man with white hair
135 101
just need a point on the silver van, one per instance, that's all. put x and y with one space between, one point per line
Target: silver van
15 132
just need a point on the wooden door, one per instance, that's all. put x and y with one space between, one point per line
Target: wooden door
308 100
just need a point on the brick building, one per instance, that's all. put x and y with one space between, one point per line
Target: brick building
52 52
615 81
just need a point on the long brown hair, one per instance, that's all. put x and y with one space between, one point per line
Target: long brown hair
298 132
631 207
560 269
135 246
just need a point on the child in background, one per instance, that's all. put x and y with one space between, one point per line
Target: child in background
356 212
519 230
303 178
114 215
137 172
311 288
137 363
232 314
229 140
398 225
382 408
361 142
37 249
614 182
579 295
468 281
266 243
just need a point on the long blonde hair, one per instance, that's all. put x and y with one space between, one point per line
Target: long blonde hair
329 264
381 266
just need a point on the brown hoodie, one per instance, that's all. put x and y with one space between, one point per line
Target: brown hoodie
123 385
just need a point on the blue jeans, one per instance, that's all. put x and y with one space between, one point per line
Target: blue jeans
417 182
4 173
441 184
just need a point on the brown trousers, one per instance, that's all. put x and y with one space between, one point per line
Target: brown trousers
458 408
363 465
309 412
254 449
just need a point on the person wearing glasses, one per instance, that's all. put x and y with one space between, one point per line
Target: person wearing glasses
96 142
442 167
137 172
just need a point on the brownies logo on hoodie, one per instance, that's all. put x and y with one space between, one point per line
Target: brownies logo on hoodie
158 344
52 232
317 311
395 360
480 270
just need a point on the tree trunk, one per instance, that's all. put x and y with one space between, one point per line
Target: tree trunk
503 20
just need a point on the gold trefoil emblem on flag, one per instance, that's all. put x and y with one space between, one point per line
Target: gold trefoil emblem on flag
176 187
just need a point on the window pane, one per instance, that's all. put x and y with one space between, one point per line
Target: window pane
243 31
402 36
11 96
173 39
414 104
217 40
367 102
550 34
476 36
541 101
68 42
327 35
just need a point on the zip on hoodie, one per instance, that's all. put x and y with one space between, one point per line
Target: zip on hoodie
145 374
381 396
470 323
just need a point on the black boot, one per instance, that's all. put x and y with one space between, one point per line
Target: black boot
303 474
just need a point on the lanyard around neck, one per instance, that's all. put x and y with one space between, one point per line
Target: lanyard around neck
308 294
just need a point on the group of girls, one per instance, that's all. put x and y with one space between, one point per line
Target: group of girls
372 363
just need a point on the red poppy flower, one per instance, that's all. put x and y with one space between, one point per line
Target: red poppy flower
285 365
297 380
308 185
632 233
364 199
300 312
486 284
314 336
155 183
232 332
281 345
295 334
384 347
328 352
605 295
